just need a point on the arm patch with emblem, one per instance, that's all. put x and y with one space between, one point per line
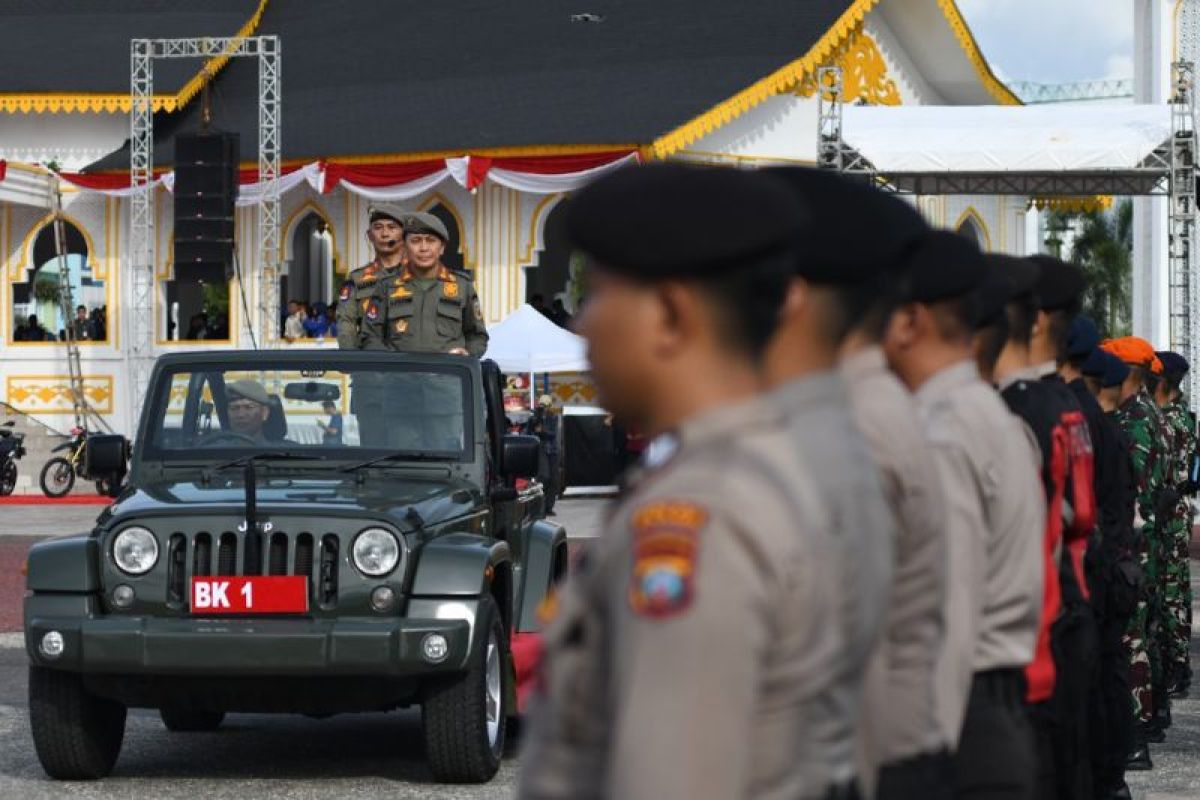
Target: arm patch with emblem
666 545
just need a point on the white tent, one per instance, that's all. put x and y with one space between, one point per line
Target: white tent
528 342
1052 137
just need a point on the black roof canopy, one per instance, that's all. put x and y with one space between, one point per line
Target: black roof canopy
370 77
71 47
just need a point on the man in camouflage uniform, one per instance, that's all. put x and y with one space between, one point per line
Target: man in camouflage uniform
1176 567
385 232
1142 424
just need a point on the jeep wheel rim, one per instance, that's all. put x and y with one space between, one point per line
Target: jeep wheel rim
491 692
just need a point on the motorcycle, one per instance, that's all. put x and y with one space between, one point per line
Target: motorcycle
59 473
12 448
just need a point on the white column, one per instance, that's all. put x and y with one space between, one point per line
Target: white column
1153 51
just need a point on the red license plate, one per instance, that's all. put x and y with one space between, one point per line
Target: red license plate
277 594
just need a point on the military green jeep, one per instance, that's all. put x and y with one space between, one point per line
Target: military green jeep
310 532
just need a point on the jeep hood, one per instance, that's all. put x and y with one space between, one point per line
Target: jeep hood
434 500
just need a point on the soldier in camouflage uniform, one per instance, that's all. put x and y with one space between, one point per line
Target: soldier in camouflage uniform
386 234
1177 568
1139 419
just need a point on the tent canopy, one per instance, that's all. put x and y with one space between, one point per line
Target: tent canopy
528 342
1115 149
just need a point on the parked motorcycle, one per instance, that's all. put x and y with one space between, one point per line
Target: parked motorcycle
59 473
12 448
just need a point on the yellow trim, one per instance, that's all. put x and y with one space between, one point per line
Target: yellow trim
781 80
1073 205
745 159
966 40
105 381
437 197
102 102
27 244
545 204
787 77
972 215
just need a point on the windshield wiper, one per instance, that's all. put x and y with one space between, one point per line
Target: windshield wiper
280 455
402 455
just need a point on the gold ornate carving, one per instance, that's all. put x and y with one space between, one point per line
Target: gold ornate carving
51 394
864 72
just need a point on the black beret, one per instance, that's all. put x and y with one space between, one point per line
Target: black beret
1115 370
943 266
1173 363
1008 278
1083 337
672 220
854 231
1060 286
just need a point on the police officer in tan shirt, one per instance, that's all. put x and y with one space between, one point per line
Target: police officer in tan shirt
689 653
989 475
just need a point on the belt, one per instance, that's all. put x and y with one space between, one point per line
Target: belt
845 791
1000 685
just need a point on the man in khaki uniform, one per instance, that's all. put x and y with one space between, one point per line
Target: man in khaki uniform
425 307
990 478
688 652
801 368
385 232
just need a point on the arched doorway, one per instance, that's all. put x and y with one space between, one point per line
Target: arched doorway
552 278
308 275
453 257
37 313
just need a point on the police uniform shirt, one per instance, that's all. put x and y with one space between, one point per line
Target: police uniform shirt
824 436
425 315
989 474
898 703
353 300
689 655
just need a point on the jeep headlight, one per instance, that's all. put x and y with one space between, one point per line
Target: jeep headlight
376 552
135 550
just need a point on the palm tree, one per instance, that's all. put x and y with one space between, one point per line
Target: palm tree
1103 248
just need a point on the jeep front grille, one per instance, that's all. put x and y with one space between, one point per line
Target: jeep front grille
190 555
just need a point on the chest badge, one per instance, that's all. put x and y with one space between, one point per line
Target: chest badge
401 326
450 289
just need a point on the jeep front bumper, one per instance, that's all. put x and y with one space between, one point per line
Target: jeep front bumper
94 642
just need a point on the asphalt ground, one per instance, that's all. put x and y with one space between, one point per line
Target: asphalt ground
350 756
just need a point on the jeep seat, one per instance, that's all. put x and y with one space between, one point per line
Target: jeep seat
275 428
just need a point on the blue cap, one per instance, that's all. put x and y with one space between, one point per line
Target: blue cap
1116 371
1173 363
1082 337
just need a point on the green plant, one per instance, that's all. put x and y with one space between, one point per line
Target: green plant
46 291
1103 248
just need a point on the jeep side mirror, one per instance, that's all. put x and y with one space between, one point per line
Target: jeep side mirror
521 455
104 455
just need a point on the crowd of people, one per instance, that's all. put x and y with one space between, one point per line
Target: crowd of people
906 526
86 326
309 320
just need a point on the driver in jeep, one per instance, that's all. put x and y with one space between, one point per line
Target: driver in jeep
249 407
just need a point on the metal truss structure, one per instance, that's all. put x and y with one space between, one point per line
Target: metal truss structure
143 53
1169 171
1034 93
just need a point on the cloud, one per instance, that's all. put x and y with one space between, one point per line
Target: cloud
1053 41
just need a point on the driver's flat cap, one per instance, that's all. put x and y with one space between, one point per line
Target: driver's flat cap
667 221
247 390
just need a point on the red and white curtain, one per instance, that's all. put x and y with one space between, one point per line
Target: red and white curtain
402 180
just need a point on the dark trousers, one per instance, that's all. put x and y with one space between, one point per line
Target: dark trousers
929 776
995 758
1112 719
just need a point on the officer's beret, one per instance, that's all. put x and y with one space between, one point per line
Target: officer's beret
247 390
665 221
1060 286
853 230
1131 350
1173 363
1082 337
943 266
388 211
422 222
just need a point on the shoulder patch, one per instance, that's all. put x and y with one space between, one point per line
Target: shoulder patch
665 549
346 290
371 310
477 309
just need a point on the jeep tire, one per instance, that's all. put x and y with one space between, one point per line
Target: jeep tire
464 717
77 735
190 720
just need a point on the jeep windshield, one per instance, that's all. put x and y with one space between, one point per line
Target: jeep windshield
217 413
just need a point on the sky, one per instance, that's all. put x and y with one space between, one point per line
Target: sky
1054 41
